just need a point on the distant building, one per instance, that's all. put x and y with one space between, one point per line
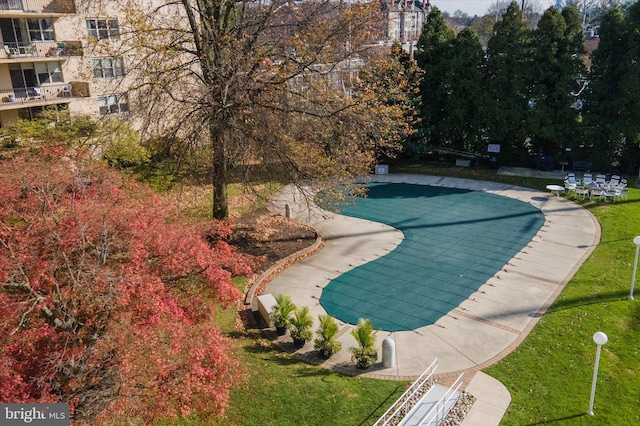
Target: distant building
47 59
405 19
50 56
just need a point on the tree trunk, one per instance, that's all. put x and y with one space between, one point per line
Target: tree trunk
219 166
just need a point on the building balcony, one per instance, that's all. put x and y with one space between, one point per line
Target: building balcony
17 52
46 94
27 8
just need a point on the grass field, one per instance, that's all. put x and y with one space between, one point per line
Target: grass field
548 376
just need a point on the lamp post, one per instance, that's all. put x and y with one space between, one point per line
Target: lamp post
600 338
636 241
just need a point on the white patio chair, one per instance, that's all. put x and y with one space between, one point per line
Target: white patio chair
581 190
572 179
615 180
587 179
597 190
621 191
570 183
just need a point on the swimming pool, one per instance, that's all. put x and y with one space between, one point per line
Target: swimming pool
454 241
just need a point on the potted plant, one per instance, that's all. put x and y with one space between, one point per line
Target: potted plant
365 354
326 343
282 311
300 327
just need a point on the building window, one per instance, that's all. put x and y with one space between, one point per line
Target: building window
103 29
113 104
107 67
40 30
30 74
49 72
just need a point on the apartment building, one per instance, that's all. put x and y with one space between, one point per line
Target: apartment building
405 19
48 60
50 56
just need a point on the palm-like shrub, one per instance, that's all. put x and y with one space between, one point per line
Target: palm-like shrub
300 326
282 312
365 354
326 342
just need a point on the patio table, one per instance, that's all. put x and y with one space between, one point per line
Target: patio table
556 189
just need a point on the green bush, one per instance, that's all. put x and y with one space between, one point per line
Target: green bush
301 324
326 342
365 354
282 311
121 147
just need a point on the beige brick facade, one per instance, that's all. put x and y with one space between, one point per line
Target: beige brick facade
48 59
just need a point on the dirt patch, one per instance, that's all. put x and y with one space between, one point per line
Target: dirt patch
261 233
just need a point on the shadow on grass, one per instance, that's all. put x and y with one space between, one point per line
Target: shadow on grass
561 419
615 296
315 372
383 403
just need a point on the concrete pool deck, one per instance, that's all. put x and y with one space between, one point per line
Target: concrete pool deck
481 330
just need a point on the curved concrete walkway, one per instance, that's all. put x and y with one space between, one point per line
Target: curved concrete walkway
481 330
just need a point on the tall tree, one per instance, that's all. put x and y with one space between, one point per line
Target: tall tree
467 101
106 299
432 56
591 11
557 76
630 87
611 101
508 71
267 83
531 10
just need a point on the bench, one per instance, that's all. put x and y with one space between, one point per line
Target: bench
266 302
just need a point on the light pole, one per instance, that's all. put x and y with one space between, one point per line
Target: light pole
600 338
636 241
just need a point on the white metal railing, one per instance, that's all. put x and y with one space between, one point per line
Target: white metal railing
40 49
441 409
409 398
35 94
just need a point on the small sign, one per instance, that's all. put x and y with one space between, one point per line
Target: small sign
493 147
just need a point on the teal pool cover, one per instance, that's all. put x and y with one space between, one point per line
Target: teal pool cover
454 241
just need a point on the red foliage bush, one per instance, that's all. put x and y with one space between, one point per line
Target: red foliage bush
106 298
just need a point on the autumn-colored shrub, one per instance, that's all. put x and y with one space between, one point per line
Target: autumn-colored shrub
106 298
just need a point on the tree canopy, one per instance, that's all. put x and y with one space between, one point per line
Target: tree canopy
531 92
106 298
557 76
270 86
612 101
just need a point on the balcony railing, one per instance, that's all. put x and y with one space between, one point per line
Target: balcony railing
42 6
41 49
50 92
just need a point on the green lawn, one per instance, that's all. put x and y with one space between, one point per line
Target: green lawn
548 376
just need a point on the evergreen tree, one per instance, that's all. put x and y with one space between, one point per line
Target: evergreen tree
464 120
508 67
558 75
605 101
630 90
433 52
